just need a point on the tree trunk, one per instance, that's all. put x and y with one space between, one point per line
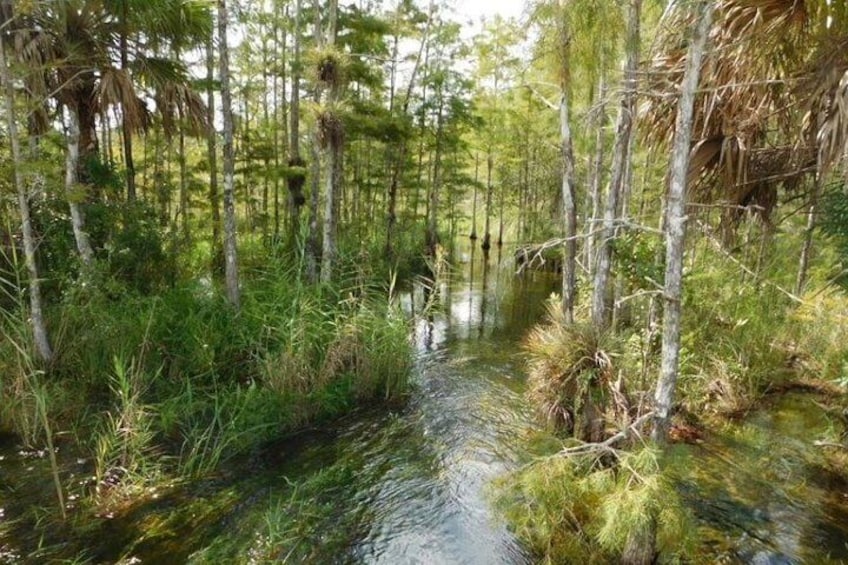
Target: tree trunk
72 189
675 231
334 162
128 133
435 188
597 176
183 162
212 154
296 179
473 235
487 234
621 156
39 329
569 265
230 253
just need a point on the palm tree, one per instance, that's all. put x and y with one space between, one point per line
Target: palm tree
90 56
771 108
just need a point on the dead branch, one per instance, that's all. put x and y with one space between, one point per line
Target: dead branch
606 446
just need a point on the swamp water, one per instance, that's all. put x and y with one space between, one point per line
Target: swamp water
411 485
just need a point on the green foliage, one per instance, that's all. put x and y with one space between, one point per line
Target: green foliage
636 254
817 335
206 383
124 452
731 348
568 510
834 223
126 238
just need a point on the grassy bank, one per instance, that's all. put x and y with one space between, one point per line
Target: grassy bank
165 386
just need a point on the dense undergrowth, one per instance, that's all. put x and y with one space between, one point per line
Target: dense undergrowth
745 337
156 387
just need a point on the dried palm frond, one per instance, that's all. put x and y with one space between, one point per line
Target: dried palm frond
747 135
824 84
116 88
182 108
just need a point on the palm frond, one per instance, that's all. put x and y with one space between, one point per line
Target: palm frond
181 107
116 88
157 72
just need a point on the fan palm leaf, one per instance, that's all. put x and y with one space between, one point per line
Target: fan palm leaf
763 86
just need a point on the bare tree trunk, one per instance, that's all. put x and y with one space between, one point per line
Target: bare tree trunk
39 329
296 179
487 232
313 243
128 133
621 156
675 231
230 251
72 189
597 176
212 154
435 186
334 163
183 162
569 211
806 250
473 236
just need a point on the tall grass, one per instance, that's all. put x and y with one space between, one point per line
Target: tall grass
125 455
24 397
176 384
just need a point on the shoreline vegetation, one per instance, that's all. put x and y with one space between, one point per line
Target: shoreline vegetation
161 389
206 209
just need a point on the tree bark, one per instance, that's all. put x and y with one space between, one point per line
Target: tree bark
568 197
675 231
333 173
230 252
621 156
212 154
569 211
597 176
435 186
72 189
473 236
296 181
39 328
128 133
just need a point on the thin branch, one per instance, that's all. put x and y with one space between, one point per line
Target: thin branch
718 247
539 95
607 444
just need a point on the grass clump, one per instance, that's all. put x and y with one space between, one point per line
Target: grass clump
571 510
573 380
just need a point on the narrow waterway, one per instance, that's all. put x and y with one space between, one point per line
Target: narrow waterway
411 484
